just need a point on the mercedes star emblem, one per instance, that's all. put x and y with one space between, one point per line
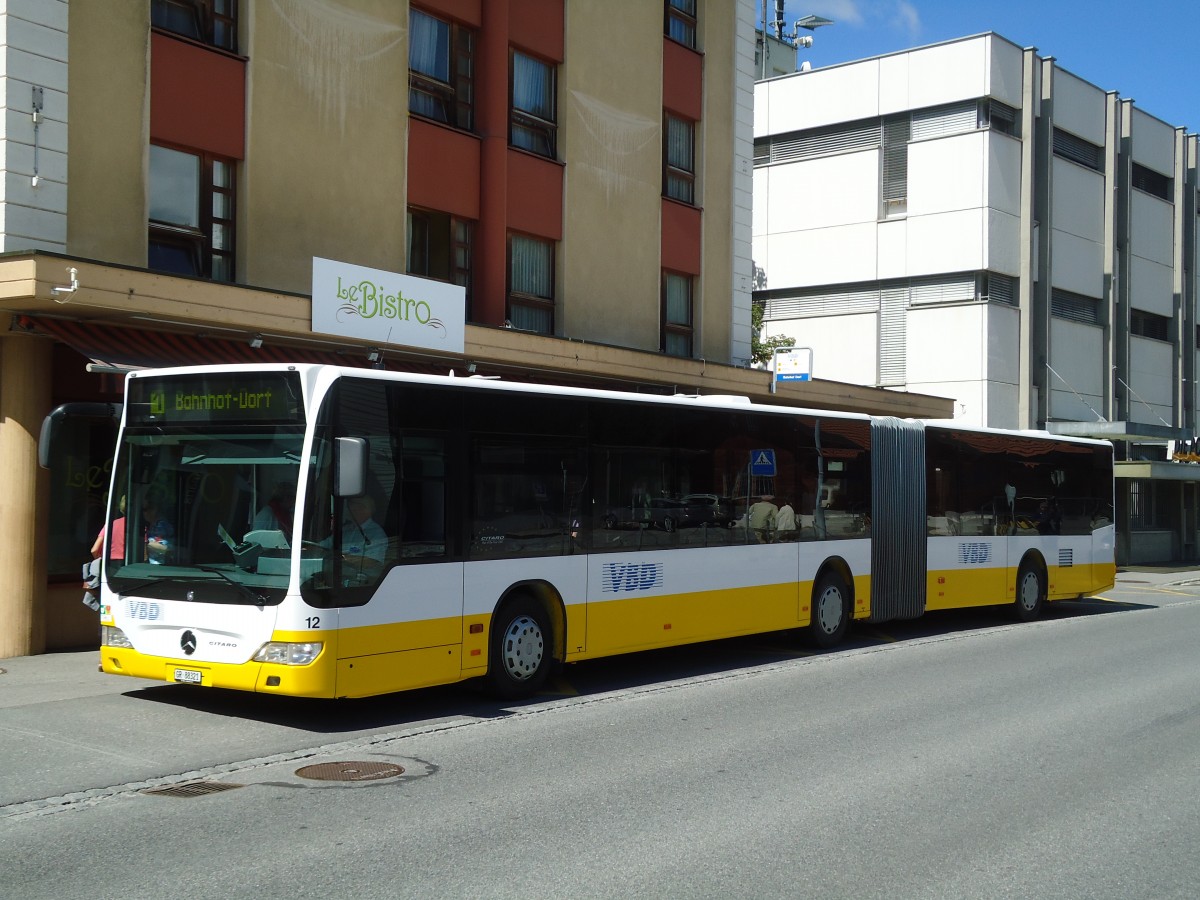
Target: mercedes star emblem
188 642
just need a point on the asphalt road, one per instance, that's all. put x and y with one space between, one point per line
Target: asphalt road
958 756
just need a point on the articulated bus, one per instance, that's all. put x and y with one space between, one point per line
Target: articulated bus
327 532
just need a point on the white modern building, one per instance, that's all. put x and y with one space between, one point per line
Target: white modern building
971 220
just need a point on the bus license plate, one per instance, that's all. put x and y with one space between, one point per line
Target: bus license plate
188 676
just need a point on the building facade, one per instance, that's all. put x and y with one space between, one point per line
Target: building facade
972 220
172 169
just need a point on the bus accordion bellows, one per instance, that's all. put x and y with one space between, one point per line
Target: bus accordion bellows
330 532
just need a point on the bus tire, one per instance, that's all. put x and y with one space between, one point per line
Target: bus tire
830 611
1031 591
521 653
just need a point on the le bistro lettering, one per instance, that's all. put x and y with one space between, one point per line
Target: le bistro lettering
370 300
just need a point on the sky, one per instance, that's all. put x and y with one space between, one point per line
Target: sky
1145 50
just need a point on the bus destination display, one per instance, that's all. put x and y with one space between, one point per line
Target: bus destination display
232 399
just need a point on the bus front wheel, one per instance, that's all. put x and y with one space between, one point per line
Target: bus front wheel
1031 592
830 611
520 655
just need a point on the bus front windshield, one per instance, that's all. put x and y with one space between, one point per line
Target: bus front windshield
204 499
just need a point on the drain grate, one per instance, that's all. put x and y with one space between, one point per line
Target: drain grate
192 789
350 771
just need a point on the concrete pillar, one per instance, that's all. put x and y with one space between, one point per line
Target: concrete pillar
25 375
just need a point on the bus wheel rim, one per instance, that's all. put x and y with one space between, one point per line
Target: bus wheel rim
829 610
1029 590
523 648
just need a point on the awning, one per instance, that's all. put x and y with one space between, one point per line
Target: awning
115 347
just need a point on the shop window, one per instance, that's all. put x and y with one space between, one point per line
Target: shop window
439 246
441 82
191 214
681 22
531 284
676 339
212 22
534 121
679 159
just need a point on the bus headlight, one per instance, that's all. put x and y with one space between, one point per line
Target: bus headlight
111 636
288 654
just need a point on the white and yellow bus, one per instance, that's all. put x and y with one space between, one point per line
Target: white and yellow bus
326 532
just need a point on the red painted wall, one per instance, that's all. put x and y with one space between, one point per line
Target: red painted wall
197 97
680 237
443 169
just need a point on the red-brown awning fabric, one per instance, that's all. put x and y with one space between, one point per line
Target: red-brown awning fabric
131 348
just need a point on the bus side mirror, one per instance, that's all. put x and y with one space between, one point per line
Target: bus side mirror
349 466
81 410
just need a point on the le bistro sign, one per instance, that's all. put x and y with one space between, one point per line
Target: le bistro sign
387 307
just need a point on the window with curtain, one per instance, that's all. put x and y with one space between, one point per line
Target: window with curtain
681 22
531 284
441 82
677 332
191 213
533 124
211 22
679 164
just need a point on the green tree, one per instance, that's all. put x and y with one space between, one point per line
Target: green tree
762 350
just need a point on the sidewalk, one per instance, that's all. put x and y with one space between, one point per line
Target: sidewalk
1159 575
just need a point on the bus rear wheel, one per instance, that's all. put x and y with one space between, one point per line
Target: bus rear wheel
520 656
830 611
1031 592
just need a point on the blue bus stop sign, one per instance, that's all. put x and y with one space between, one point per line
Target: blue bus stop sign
762 462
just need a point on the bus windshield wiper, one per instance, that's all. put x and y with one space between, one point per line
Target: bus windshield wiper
258 599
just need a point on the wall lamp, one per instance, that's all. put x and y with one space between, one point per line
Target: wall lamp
256 341
375 357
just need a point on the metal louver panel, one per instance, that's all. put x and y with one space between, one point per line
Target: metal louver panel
943 289
895 159
893 336
823 141
1001 288
1075 307
1077 150
811 304
898 527
942 121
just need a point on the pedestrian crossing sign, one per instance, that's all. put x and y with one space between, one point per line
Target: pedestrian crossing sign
762 462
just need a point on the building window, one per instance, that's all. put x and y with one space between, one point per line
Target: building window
191 214
441 83
439 246
1149 325
533 125
679 160
531 284
894 174
680 22
1152 182
677 332
211 22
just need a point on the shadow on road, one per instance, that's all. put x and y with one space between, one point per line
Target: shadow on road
630 671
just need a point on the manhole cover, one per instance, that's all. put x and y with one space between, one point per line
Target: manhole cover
350 771
193 789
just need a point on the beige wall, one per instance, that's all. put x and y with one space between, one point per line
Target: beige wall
327 120
108 107
611 127
714 308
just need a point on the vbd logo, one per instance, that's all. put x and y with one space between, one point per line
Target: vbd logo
623 577
144 610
